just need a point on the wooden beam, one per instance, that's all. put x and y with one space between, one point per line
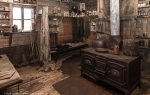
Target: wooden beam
45 55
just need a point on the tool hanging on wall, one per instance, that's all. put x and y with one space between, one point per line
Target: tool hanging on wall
34 53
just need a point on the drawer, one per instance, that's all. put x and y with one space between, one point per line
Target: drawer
100 64
116 73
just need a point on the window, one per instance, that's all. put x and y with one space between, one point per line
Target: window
23 18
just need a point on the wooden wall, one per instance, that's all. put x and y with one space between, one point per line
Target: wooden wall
15 45
65 31
89 6
4 41
68 26
128 11
65 24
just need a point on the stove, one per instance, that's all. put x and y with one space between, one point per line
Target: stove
120 71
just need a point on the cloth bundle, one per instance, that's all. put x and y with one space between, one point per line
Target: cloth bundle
139 23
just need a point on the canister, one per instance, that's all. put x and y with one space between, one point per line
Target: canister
116 50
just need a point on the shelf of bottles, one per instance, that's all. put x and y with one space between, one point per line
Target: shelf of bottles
144 9
5 17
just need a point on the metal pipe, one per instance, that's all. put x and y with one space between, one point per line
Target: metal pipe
114 17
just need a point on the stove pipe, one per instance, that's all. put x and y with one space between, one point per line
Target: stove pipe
114 18
115 24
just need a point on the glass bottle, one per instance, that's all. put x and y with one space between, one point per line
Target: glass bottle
144 13
139 12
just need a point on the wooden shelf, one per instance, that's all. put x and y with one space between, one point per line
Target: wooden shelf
51 16
148 6
5 19
91 16
23 4
53 32
144 47
4 11
5 2
143 38
4 26
5 33
9 18
144 16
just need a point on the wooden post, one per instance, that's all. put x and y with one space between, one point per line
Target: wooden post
45 55
100 7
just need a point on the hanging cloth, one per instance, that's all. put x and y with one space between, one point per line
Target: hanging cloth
87 30
80 30
139 23
148 25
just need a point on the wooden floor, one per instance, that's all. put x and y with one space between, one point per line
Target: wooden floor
37 83
41 83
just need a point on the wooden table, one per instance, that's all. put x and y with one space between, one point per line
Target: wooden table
6 65
74 46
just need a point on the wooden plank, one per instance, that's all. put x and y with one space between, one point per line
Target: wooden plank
48 84
45 55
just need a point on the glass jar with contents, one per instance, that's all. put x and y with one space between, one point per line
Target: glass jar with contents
7 16
3 16
139 12
142 12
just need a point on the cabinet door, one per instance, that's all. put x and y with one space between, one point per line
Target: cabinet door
87 61
100 64
116 73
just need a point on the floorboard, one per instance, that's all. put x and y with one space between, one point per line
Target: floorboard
64 80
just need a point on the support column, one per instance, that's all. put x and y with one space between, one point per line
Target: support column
45 55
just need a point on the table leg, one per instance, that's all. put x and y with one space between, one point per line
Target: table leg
55 57
18 88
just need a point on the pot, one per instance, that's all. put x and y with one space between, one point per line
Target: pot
98 43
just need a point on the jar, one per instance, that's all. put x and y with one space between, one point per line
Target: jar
15 28
139 12
25 1
6 16
116 50
144 13
3 15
